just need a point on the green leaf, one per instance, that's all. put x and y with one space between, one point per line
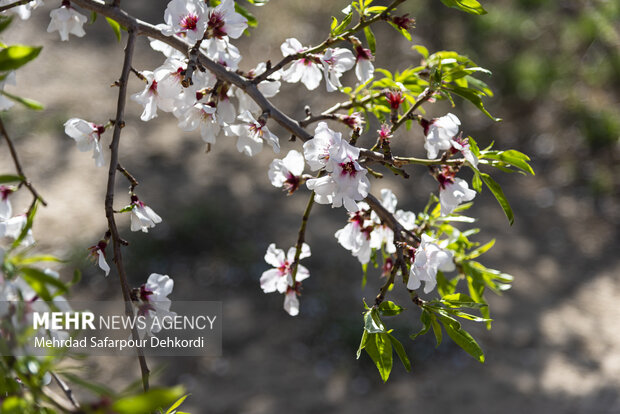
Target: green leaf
436 330
400 351
149 401
511 157
37 278
425 318
14 405
379 348
472 96
363 343
27 227
27 102
468 6
5 21
476 182
37 259
402 31
481 250
116 28
372 323
461 337
375 9
388 308
252 22
9 178
177 404
499 195
421 50
334 24
16 56
370 38
342 27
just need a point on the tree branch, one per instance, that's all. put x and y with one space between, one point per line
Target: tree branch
66 390
221 72
327 42
18 166
14 4
119 123
301 237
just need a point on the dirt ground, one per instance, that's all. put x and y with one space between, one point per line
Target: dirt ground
555 343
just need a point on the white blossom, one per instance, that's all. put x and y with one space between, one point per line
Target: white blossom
13 227
439 133
154 301
319 150
186 18
306 70
429 258
225 21
6 210
364 68
454 193
149 97
142 216
291 303
203 116
97 253
87 136
66 20
252 134
335 63
280 277
287 172
462 145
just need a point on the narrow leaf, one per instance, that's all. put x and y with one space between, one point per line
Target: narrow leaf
116 28
499 195
14 57
400 351
9 178
27 102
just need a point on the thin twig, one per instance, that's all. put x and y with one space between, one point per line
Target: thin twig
426 95
119 123
301 237
327 42
134 183
66 390
221 72
18 166
14 4
370 155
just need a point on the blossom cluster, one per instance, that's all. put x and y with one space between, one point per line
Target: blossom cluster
365 233
280 279
13 287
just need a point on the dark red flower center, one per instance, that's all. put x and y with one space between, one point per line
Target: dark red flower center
189 22
348 168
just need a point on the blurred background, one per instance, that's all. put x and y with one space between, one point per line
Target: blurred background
555 343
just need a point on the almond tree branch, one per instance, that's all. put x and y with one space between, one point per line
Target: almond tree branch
14 4
221 72
328 42
119 123
18 165
301 237
328 113
66 390
134 183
